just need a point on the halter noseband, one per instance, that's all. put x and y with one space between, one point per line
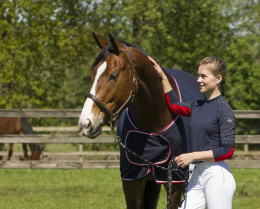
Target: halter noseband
113 116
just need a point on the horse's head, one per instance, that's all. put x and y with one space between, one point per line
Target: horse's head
111 74
36 151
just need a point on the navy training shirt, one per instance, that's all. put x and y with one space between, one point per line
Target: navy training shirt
212 124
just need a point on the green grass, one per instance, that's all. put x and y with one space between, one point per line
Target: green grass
248 188
60 189
94 189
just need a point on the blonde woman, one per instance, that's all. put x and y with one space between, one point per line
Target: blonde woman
212 137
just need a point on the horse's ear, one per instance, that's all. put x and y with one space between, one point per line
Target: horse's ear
100 41
115 44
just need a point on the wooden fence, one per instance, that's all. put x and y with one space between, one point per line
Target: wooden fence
241 159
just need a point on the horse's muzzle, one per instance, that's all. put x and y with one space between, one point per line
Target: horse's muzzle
88 130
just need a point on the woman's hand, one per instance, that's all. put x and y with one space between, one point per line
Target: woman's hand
184 160
157 67
166 85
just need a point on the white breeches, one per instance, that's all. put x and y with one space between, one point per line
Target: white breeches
211 186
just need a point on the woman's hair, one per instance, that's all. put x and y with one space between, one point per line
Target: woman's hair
217 67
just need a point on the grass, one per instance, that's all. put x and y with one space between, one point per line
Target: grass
248 188
60 189
94 189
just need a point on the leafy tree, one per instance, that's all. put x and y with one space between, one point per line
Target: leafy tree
46 47
29 74
42 47
242 56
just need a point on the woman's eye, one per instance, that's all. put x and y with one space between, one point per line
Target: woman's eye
201 76
114 77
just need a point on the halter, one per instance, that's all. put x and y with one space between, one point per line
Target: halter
114 116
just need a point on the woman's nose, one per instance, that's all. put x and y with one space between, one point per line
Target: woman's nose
199 80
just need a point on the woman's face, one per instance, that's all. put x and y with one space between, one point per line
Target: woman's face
208 82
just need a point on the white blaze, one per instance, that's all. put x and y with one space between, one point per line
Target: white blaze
86 113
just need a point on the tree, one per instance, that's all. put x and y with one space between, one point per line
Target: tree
242 56
42 46
46 47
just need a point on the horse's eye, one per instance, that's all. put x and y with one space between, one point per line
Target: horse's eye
113 77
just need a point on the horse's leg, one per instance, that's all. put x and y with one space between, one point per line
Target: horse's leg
151 194
134 191
10 152
177 191
25 152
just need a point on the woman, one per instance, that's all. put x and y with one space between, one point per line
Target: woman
212 137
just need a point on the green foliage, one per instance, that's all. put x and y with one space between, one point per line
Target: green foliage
46 47
243 75
40 50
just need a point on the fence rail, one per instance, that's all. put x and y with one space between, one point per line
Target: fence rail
78 139
75 113
100 164
40 113
50 138
60 165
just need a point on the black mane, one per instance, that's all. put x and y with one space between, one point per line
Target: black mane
108 49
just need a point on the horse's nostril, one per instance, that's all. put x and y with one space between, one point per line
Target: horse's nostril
87 124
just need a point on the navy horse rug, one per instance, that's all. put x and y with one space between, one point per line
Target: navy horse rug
160 147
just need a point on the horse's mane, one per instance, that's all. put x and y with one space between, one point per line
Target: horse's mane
26 126
107 49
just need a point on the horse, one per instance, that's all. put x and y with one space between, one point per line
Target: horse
20 126
126 90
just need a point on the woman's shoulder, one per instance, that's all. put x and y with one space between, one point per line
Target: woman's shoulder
223 103
224 108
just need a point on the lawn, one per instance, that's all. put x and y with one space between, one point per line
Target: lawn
94 189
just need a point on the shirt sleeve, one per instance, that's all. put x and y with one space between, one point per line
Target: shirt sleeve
176 107
227 134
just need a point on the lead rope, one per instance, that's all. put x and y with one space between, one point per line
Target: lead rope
169 170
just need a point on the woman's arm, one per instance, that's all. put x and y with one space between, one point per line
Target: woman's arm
184 160
173 103
227 123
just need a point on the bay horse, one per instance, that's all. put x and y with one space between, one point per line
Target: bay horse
20 126
127 90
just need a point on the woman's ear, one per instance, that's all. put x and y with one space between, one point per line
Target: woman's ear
219 79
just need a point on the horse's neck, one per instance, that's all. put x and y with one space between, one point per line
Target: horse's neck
10 126
149 110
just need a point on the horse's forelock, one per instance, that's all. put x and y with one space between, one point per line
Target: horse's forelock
102 55
106 50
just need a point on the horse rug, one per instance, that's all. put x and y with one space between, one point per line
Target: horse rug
159 147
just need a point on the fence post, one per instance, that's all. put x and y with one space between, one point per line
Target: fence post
81 150
246 149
